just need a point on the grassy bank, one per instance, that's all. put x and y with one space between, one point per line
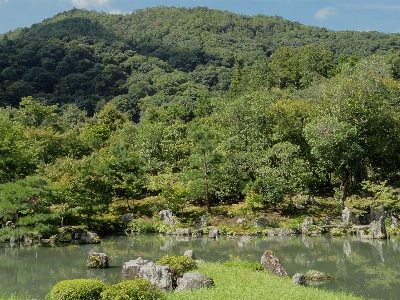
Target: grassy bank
235 283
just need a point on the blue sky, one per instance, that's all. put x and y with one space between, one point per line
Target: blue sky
361 15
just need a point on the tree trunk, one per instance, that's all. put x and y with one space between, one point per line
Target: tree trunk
344 184
206 189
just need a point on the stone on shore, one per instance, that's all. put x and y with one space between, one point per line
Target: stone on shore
193 281
272 264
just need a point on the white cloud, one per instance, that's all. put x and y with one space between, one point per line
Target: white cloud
116 12
90 3
324 13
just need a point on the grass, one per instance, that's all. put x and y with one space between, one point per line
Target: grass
238 283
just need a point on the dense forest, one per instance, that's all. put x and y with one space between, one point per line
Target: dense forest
187 107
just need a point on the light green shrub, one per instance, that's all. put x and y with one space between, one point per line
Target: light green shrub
179 265
138 289
77 289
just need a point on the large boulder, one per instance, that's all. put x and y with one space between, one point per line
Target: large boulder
97 260
167 217
306 224
127 217
183 231
350 217
194 281
261 223
272 264
378 228
213 233
159 276
131 268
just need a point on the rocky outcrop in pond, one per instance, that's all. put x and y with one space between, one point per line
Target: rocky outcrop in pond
97 260
272 264
314 275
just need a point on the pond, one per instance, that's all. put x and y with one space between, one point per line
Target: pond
368 268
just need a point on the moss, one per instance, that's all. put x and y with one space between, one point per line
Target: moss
77 289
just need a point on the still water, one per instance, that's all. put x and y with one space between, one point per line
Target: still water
363 267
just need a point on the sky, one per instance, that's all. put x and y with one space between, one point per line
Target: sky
359 15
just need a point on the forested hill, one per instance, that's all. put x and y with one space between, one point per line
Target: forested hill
86 57
186 108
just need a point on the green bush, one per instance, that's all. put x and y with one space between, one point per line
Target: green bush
179 265
138 289
77 289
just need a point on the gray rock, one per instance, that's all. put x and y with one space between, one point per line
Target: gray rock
241 221
326 221
202 222
213 233
349 216
261 223
159 276
183 231
97 260
272 264
314 275
131 268
167 217
306 224
85 237
189 253
194 281
127 217
299 279
270 232
246 239
378 229
284 232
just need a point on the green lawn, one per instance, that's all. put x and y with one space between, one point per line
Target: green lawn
235 283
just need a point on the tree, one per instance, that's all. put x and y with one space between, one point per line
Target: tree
26 203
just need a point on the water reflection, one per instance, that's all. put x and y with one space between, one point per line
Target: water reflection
366 267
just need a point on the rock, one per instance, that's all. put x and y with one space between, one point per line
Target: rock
325 221
261 223
167 217
306 224
241 221
194 281
131 268
395 222
349 216
378 229
284 232
272 264
159 276
298 206
314 275
97 260
202 222
246 239
183 231
127 217
86 237
189 253
299 279
213 233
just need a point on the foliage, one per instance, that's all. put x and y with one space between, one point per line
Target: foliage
77 289
137 289
178 265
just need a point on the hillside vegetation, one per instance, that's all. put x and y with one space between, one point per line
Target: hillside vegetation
186 107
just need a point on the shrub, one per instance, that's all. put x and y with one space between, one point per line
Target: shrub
179 265
77 289
138 289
